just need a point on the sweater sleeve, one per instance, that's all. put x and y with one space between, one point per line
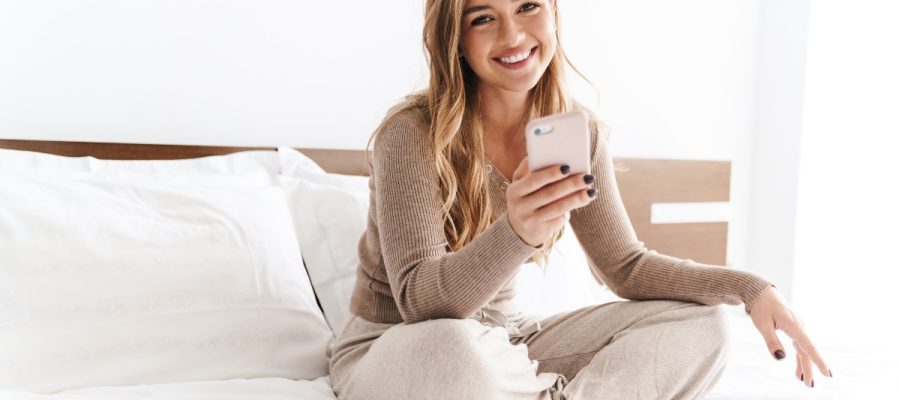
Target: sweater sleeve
628 268
428 281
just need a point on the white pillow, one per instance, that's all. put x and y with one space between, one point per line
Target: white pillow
111 283
328 235
294 163
329 221
256 167
231 180
297 165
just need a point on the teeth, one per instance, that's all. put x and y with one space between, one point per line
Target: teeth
516 58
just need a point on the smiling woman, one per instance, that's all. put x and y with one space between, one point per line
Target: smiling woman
434 311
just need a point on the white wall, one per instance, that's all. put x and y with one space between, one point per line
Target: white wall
776 142
676 79
848 217
262 72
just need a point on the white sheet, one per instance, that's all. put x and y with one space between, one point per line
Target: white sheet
236 389
861 371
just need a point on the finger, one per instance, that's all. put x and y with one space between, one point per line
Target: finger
521 170
801 372
555 191
806 346
775 348
541 178
807 370
562 206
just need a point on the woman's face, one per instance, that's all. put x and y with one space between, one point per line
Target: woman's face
509 43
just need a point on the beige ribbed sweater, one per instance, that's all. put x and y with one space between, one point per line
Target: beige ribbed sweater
407 273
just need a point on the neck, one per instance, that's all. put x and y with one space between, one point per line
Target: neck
504 113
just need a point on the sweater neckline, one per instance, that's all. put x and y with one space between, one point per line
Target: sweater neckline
492 171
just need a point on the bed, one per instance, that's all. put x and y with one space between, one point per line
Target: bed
677 207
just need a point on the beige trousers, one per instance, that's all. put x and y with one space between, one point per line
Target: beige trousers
621 350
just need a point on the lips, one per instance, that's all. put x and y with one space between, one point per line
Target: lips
516 58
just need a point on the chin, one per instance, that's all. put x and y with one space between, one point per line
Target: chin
520 84
519 88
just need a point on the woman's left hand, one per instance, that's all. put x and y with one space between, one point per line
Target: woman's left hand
770 313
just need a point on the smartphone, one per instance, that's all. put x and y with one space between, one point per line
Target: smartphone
559 139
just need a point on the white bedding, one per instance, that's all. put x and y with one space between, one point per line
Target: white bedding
236 389
860 372
751 374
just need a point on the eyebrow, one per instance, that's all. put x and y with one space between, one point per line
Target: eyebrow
478 8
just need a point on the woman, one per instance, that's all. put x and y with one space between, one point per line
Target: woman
455 213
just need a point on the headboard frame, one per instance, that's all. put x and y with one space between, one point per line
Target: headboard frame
643 183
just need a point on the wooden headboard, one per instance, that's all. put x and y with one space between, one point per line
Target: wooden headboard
642 183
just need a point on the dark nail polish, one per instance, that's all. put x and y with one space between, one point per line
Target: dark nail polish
592 192
830 375
779 354
812 384
588 179
564 169
801 377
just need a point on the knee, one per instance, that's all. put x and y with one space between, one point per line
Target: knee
713 331
441 343
712 328
442 337
717 321
435 356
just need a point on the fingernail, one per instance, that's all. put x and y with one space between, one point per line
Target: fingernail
812 383
779 354
801 377
592 192
830 375
588 179
564 169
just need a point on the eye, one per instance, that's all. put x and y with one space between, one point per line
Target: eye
529 7
481 20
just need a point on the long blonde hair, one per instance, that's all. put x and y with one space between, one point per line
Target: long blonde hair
452 108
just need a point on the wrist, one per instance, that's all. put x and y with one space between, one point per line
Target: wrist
752 302
512 227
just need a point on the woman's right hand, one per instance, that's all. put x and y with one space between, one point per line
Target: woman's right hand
538 204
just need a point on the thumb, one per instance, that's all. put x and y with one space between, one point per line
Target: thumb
522 170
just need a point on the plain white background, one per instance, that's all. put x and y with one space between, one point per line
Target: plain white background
845 270
757 82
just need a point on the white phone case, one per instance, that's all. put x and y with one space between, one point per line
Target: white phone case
559 139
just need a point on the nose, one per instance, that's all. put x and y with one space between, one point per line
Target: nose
511 33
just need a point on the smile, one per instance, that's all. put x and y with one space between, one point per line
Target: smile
516 61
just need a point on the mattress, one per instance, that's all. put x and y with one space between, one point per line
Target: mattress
861 372
236 389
